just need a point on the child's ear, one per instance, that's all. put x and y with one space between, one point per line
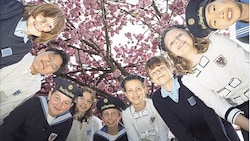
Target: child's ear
125 94
152 80
49 95
41 51
120 115
71 104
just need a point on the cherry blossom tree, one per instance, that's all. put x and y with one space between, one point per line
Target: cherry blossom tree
99 59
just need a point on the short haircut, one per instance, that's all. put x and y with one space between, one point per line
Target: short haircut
65 59
131 77
156 61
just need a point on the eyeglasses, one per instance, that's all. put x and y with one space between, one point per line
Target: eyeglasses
52 59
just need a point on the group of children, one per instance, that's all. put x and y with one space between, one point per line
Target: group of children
203 80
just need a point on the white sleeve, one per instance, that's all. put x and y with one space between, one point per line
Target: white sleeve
212 100
129 126
97 123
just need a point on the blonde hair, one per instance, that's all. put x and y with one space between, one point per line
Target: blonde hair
183 66
89 112
47 10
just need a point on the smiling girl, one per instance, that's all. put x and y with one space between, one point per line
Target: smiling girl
215 69
85 124
25 24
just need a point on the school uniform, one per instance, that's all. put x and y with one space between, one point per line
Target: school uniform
17 84
12 47
86 131
106 103
187 116
221 78
102 135
146 124
242 28
28 122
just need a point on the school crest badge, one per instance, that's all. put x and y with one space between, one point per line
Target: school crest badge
52 136
221 61
152 119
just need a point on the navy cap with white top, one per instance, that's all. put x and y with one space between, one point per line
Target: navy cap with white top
195 18
67 88
110 102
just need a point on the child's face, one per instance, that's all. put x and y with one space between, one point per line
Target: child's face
220 14
111 117
58 103
46 63
135 91
37 25
84 103
179 42
160 75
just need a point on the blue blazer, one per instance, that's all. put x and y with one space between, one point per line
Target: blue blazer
12 47
190 119
28 122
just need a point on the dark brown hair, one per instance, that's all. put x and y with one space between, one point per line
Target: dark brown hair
65 59
156 61
131 77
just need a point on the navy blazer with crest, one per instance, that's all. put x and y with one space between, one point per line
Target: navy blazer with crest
10 14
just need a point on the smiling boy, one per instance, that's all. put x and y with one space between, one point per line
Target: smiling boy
110 109
23 79
205 16
44 117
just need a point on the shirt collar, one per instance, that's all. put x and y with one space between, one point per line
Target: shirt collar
174 94
139 114
19 31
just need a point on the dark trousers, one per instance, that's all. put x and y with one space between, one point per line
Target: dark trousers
231 133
